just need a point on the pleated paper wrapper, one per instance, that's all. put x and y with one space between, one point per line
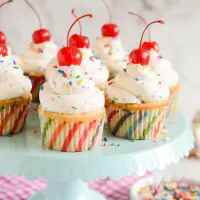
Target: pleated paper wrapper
173 101
71 135
13 116
136 124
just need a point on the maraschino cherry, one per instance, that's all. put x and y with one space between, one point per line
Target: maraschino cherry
79 41
140 55
3 50
110 29
150 44
2 38
2 35
70 55
41 35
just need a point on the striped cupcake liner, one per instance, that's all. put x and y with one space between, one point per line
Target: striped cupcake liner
13 119
173 101
135 124
36 81
71 135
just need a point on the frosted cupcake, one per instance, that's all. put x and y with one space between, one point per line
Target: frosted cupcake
72 108
37 56
136 104
91 64
164 69
15 96
110 49
137 100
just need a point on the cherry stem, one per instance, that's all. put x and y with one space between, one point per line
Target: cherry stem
80 26
35 11
108 10
154 22
70 28
6 2
144 21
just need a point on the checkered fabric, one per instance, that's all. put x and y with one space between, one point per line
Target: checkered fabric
116 189
19 188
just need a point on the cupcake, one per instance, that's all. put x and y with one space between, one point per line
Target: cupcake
136 103
137 100
37 56
15 96
110 49
91 64
164 69
72 108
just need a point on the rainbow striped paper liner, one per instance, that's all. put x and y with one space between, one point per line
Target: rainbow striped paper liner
13 118
135 124
71 135
173 101
36 81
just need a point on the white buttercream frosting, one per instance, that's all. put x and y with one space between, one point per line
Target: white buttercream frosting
37 56
13 56
163 68
137 85
111 51
94 67
13 83
69 90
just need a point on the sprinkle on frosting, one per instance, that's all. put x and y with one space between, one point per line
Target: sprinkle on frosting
163 68
41 87
72 93
137 85
93 67
111 51
13 82
38 55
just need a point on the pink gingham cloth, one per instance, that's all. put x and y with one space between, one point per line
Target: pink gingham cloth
19 188
116 189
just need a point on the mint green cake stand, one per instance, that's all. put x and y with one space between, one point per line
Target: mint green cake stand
23 155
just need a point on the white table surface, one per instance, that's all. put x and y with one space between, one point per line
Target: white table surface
188 168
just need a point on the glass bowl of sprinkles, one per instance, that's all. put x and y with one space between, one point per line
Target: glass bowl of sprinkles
167 189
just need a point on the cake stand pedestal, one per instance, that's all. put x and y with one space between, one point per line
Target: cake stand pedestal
23 155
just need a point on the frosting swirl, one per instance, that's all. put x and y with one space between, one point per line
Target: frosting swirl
111 51
13 83
164 69
93 66
69 90
37 57
137 85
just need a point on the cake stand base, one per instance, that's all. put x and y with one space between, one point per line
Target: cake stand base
73 190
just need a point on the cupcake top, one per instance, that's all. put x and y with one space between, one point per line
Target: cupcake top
164 68
13 83
37 56
13 56
111 51
93 66
69 90
137 84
